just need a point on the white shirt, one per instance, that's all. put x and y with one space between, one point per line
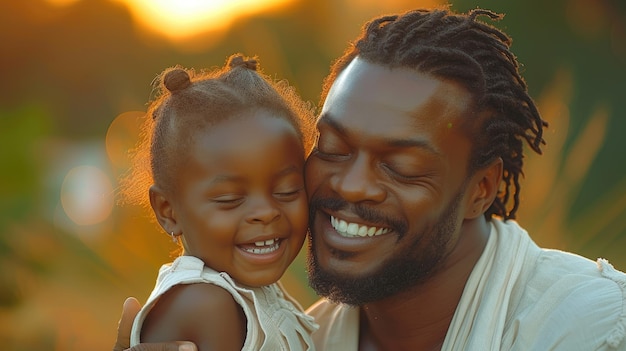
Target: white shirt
274 320
518 297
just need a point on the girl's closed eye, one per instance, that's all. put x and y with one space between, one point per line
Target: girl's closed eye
289 194
228 200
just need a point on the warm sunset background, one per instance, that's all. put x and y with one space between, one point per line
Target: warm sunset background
75 76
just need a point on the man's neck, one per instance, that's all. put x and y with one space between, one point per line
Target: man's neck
418 319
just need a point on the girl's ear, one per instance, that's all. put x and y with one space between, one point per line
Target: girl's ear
163 210
486 185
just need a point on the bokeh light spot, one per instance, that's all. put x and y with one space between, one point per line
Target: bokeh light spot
122 136
87 195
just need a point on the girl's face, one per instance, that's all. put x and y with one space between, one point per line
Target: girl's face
240 201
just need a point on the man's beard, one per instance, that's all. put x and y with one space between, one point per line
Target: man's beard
403 270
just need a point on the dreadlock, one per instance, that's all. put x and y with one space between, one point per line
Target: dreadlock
476 55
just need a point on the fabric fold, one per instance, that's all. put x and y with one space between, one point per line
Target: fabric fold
479 321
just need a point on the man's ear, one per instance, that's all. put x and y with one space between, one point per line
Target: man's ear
163 209
486 183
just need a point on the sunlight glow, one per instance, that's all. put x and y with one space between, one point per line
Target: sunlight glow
180 19
62 2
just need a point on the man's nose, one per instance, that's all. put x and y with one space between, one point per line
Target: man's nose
358 181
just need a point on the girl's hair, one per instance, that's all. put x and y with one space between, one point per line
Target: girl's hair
476 55
187 102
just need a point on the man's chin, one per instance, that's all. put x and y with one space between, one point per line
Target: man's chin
334 288
346 288
392 277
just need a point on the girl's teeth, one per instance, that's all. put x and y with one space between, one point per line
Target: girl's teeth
265 243
264 247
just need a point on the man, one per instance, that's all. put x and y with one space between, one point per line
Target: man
413 188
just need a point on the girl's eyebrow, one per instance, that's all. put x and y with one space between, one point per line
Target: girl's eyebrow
223 178
289 169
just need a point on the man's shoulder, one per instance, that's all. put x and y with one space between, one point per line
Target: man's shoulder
575 299
338 326
571 280
561 268
330 312
320 306
564 300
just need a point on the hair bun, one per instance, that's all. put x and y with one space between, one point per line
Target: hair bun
176 79
239 60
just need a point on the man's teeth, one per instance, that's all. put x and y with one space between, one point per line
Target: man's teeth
263 247
354 230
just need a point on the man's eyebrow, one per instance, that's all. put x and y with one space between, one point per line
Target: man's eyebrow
327 119
413 143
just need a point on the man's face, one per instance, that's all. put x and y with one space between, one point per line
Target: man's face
386 181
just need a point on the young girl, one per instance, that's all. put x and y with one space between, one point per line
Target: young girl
225 152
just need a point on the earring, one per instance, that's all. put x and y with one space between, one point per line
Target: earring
173 237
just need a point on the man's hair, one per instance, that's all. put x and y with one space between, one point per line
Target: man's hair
457 47
187 103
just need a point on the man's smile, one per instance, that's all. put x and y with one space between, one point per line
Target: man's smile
350 229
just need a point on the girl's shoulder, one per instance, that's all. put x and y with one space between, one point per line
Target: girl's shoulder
204 313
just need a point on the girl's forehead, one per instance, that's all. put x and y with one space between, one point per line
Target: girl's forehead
236 127
260 136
